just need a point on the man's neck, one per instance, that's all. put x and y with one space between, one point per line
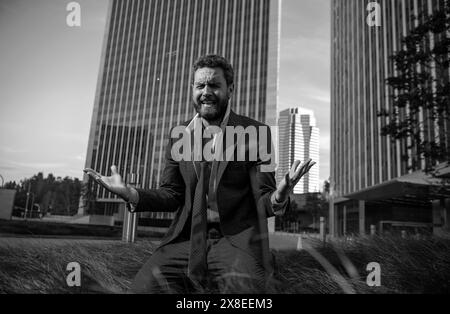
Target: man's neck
216 122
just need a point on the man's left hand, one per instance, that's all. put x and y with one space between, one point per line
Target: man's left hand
291 179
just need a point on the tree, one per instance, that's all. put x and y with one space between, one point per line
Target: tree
421 92
315 204
57 196
88 196
318 205
11 185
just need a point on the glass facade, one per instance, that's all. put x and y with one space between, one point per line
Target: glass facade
298 139
360 156
144 86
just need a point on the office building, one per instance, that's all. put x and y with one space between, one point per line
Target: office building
144 84
298 139
372 183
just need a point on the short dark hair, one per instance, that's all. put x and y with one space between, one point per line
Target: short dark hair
215 61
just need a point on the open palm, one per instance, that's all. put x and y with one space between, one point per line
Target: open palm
291 178
113 183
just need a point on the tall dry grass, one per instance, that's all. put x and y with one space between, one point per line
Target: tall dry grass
407 266
39 266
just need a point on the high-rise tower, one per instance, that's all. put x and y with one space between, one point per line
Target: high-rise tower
298 139
144 85
371 180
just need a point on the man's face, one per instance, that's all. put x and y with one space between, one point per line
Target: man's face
211 93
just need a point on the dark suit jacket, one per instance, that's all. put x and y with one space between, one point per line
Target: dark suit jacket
242 194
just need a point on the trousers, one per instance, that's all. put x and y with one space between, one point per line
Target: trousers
230 270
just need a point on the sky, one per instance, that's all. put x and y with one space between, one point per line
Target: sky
48 78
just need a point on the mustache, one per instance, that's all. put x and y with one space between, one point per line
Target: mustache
212 98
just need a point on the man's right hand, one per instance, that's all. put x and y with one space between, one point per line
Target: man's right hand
113 184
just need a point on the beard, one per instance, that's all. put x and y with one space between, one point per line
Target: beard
212 109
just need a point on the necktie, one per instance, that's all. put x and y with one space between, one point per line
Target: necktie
197 266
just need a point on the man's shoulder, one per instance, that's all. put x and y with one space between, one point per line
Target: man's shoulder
240 120
246 121
183 124
186 123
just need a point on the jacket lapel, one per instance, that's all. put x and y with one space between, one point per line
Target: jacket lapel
191 168
228 151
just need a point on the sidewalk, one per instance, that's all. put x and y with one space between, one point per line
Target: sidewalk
17 240
292 241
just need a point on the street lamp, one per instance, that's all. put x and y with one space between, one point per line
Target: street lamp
130 220
28 198
32 205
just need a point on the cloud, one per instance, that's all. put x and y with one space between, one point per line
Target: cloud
324 141
305 48
325 97
34 165
69 136
18 170
80 157
305 73
12 150
308 18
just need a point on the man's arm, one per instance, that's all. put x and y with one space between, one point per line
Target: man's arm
265 176
169 196
267 187
276 199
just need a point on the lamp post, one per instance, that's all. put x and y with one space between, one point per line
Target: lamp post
130 219
28 198
32 204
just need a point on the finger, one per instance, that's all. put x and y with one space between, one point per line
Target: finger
294 167
102 183
114 170
92 173
289 185
306 168
89 171
310 166
301 170
302 167
287 179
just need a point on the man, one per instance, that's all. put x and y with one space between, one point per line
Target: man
218 238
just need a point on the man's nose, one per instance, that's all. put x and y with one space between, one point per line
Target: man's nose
207 90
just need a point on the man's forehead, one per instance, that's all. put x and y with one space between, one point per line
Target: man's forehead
209 74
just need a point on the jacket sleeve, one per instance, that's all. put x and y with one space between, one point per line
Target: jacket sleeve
265 176
170 195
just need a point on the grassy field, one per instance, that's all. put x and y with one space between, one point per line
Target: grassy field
407 266
38 228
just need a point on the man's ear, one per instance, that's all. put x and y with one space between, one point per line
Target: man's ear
230 90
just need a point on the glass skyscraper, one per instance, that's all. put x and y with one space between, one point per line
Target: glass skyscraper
298 139
144 84
361 158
